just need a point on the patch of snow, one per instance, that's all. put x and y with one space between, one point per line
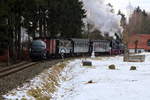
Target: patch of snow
119 84
21 92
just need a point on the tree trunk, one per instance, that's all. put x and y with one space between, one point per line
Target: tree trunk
44 25
19 38
40 23
126 52
126 41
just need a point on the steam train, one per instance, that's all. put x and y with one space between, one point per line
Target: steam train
55 48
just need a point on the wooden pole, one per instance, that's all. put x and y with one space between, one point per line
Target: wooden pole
126 41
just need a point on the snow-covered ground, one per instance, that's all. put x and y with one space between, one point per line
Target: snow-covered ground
97 82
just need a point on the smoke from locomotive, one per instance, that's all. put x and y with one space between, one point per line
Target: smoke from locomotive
100 16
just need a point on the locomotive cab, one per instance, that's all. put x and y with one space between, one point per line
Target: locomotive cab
38 49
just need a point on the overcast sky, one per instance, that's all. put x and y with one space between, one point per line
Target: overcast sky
99 15
122 4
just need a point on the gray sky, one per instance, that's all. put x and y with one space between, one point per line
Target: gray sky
99 15
122 4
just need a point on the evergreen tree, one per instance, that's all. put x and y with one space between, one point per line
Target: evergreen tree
72 23
65 18
49 18
4 36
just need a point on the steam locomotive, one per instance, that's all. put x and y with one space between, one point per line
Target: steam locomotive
56 48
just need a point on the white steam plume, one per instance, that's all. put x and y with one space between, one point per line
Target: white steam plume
99 14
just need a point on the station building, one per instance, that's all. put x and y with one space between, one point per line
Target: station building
139 42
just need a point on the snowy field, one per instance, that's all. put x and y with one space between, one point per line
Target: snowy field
97 82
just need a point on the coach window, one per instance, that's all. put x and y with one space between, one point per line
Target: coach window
148 42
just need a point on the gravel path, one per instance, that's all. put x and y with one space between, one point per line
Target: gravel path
13 81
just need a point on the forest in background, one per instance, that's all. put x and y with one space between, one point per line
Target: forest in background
48 18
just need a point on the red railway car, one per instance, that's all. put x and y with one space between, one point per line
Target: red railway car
50 47
55 47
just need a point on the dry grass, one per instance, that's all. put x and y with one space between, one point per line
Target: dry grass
37 94
23 98
97 58
49 83
92 67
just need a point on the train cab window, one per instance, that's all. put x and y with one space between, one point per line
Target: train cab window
148 42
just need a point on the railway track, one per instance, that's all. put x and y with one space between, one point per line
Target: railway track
20 66
15 68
